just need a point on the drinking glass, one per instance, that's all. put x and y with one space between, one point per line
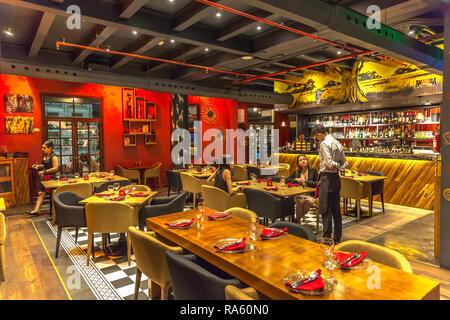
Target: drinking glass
283 182
201 210
111 189
133 187
253 177
127 191
58 175
111 173
97 173
116 186
76 175
329 260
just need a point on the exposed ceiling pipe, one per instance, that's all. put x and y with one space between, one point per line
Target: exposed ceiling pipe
351 56
67 44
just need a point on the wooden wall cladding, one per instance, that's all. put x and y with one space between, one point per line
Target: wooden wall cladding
21 183
409 182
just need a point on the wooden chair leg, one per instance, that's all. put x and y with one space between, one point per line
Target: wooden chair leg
76 234
195 197
382 201
154 290
58 240
168 191
165 293
138 283
371 205
89 248
358 209
159 182
2 263
128 248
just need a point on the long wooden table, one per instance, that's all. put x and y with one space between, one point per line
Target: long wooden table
94 181
204 174
264 268
281 191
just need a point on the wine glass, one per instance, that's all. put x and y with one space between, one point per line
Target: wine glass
58 175
111 189
283 182
253 177
76 175
201 210
111 173
116 186
97 173
329 260
127 191
133 187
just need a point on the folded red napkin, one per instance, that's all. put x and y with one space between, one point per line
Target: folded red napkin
117 198
269 233
243 183
294 184
183 170
108 178
101 176
262 180
341 257
271 188
71 181
63 179
139 194
219 215
103 194
180 224
233 246
309 286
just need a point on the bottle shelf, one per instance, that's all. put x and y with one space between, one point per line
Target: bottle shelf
377 125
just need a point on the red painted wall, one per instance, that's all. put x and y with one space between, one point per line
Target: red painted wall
114 151
283 131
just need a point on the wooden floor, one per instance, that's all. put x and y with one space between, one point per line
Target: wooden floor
31 275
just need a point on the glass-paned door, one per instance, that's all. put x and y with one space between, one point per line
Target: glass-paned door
76 134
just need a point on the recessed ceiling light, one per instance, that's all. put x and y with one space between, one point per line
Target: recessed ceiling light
339 52
134 32
206 49
9 32
172 41
246 57
160 43
108 48
219 13
258 28
254 109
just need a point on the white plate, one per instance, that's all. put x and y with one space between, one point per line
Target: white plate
364 264
224 218
301 275
225 241
182 221
273 238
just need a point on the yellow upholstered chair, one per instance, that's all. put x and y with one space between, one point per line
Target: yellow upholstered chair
243 214
150 256
2 247
109 218
83 189
127 173
234 293
283 170
220 200
239 173
153 172
143 188
354 189
377 253
192 184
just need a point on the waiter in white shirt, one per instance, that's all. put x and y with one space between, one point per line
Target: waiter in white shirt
332 160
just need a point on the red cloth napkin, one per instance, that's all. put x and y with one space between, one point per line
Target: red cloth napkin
139 194
219 215
71 181
242 183
117 198
108 178
102 194
266 233
341 257
294 184
63 179
310 286
262 180
271 188
232 247
180 224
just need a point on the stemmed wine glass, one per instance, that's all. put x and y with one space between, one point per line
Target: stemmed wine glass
283 182
76 175
252 235
253 177
111 189
127 191
116 186
58 175
133 187
111 173
329 260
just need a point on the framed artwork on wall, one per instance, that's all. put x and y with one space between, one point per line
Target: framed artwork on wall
18 103
19 125
128 103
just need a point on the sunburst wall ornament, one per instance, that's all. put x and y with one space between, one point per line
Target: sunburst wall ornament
209 114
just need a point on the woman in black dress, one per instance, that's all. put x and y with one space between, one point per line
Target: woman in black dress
307 176
222 178
47 171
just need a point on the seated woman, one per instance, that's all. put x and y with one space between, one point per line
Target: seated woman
305 175
222 178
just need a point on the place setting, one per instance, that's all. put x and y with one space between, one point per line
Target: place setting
273 233
308 282
231 245
217 216
180 224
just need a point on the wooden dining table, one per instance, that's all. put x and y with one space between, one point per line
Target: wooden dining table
93 180
263 268
203 174
281 191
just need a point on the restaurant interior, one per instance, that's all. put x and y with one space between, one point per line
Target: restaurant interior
97 203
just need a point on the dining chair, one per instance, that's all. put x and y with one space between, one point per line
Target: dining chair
283 171
217 199
239 173
377 253
235 293
255 170
133 174
82 189
195 279
143 188
108 218
2 247
354 189
243 214
264 204
69 213
295 229
104 186
192 185
377 187
173 181
162 206
149 253
153 173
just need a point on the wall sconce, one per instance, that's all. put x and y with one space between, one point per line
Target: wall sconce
283 124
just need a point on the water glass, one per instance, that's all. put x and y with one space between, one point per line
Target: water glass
111 189
133 187
253 177
58 175
283 182
97 173
329 260
116 186
76 175
111 173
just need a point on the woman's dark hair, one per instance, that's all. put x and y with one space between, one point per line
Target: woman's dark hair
49 144
298 158
224 165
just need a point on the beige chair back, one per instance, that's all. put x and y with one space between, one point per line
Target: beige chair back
220 200
377 253
127 173
191 183
150 255
283 170
153 172
243 214
239 173
143 188
2 247
351 189
109 217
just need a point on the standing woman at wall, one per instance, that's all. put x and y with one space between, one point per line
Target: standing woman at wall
47 171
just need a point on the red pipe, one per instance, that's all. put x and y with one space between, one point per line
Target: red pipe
60 43
305 67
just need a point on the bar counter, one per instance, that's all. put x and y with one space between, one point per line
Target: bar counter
410 181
